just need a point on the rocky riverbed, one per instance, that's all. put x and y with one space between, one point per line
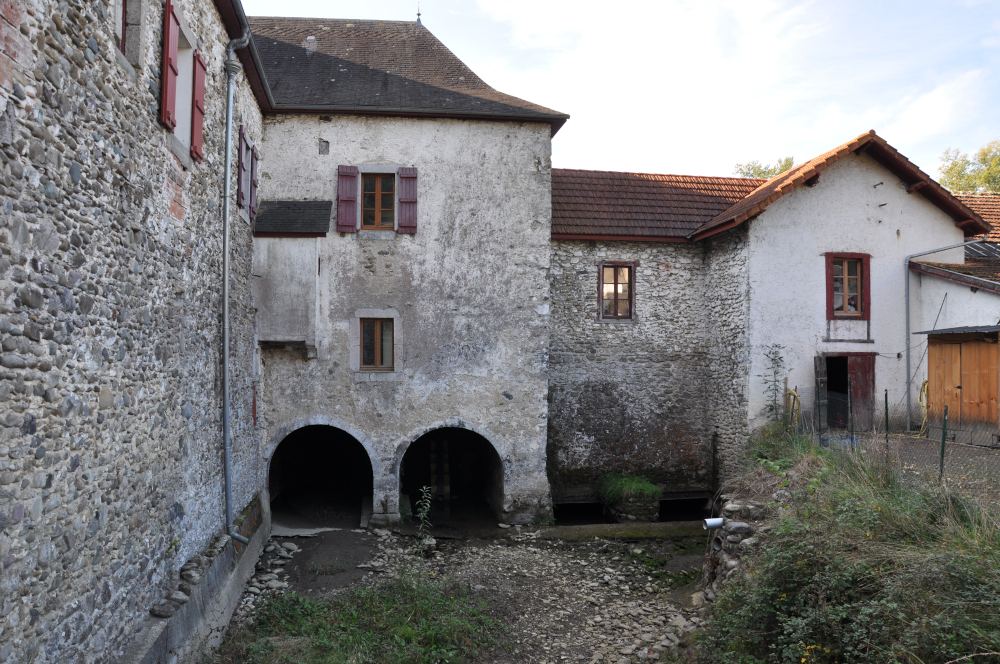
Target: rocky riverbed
596 600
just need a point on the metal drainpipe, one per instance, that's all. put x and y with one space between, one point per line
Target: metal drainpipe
906 273
233 67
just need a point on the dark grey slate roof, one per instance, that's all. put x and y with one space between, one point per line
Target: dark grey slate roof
963 330
381 67
306 217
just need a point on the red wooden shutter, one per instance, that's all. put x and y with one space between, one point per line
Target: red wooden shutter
347 199
254 159
241 169
198 107
168 82
407 200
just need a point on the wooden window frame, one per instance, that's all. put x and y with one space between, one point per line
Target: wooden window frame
378 226
864 290
378 344
632 265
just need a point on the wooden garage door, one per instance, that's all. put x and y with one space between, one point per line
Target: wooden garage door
963 376
944 376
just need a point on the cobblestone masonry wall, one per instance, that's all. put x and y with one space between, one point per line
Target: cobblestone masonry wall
630 395
727 305
110 454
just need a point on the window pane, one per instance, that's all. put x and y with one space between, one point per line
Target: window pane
852 302
623 275
368 343
852 268
852 285
838 268
623 309
368 201
386 346
623 291
369 183
387 218
388 181
609 299
838 302
368 218
838 284
387 202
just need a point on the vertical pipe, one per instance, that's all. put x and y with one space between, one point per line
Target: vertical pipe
944 436
850 410
819 411
232 68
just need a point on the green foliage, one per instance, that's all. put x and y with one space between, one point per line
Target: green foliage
423 512
773 379
406 620
613 488
755 169
979 173
866 568
777 449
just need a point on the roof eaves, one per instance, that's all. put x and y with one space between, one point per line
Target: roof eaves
958 277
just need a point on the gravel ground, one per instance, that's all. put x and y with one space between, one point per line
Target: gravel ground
590 601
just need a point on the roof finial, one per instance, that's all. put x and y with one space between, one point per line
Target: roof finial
418 13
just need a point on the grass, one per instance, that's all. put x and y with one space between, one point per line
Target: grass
408 620
861 569
613 488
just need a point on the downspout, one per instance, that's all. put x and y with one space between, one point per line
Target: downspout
906 272
233 68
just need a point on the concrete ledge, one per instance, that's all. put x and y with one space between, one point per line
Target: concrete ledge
199 625
625 531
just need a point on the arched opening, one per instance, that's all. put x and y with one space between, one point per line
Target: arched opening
463 471
319 476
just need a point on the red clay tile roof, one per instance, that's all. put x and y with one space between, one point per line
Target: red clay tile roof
640 206
876 147
986 206
973 272
376 67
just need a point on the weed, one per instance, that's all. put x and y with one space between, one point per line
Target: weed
407 620
773 381
613 488
329 569
172 549
423 512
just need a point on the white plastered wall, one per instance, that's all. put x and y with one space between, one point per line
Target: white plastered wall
846 211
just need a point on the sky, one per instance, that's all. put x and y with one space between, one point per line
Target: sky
695 87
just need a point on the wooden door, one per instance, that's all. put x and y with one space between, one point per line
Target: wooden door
861 370
944 378
978 376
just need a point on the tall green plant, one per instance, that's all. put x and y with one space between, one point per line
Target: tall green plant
773 381
423 512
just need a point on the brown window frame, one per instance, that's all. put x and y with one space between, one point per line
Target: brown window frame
378 345
378 209
632 267
863 290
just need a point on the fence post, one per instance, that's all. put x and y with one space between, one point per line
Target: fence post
850 411
819 412
887 419
944 435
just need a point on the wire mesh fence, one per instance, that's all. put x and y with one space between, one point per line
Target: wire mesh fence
931 443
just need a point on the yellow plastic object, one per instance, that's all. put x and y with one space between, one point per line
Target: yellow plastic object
922 400
794 406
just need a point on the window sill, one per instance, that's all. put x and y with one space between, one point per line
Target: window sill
369 234
377 376
182 153
618 321
124 64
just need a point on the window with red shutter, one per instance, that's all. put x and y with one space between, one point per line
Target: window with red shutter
254 159
407 200
347 199
848 287
198 107
241 169
168 84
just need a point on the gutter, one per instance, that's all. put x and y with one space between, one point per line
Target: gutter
906 276
233 68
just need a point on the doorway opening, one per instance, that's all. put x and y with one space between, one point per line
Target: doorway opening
319 476
463 472
846 383
838 412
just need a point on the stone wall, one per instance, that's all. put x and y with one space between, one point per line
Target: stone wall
110 453
468 292
636 395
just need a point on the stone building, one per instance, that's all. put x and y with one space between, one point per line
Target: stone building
110 387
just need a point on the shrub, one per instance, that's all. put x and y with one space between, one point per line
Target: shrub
613 488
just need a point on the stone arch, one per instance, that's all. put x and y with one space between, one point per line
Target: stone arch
282 432
462 466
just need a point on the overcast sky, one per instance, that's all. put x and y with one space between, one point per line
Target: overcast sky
696 86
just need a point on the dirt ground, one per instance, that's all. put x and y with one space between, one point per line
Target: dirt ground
565 594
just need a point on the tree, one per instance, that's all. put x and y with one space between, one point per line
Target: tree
755 169
978 173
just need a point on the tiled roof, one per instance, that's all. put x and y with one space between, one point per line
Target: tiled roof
803 174
596 204
379 67
988 207
293 217
971 272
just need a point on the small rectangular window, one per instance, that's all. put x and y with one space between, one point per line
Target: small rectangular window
616 290
378 201
376 344
847 286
